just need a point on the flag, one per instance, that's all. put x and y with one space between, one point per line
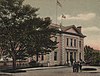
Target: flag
60 28
59 4
63 16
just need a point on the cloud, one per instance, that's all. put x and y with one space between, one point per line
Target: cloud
84 17
90 29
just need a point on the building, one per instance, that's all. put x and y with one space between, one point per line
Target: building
70 46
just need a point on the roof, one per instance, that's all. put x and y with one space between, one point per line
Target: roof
65 28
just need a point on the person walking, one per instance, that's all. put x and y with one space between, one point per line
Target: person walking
80 65
77 66
74 67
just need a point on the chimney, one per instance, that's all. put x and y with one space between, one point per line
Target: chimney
79 28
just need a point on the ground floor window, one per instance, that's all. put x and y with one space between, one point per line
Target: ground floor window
79 56
74 56
67 57
42 57
55 55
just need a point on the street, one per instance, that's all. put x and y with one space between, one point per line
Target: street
65 71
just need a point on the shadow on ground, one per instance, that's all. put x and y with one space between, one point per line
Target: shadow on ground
5 75
12 71
89 69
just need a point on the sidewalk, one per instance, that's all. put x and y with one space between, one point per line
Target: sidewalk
44 68
37 68
58 67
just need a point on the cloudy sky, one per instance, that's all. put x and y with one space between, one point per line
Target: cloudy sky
85 13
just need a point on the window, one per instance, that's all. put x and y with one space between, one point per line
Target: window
79 56
55 55
74 42
80 44
75 56
42 57
67 57
71 42
71 55
67 41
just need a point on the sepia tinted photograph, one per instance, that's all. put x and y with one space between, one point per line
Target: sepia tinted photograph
49 37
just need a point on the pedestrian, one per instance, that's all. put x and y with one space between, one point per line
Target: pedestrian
80 65
74 66
77 66
69 63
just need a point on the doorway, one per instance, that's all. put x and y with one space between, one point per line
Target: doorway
71 58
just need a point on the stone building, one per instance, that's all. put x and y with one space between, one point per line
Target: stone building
70 46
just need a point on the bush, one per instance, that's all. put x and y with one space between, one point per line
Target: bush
35 64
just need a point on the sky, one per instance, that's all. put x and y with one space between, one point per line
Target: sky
85 13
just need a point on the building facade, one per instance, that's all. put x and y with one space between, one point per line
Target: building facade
70 47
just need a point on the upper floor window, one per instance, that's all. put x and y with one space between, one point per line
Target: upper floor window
67 41
71 42
80 44
74 42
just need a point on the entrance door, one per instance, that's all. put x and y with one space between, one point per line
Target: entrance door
71 57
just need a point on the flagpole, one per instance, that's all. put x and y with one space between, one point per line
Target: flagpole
61 16
56 12
60 29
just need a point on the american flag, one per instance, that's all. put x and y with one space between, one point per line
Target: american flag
59 4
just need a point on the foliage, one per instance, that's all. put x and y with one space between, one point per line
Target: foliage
22 33
92 56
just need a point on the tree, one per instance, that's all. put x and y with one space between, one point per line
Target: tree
22 33
42 38
88 53
91 56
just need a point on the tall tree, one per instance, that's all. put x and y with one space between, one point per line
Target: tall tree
22 33
88 53
91 56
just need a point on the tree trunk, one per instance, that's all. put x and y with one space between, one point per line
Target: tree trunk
14 62
37 57
13 57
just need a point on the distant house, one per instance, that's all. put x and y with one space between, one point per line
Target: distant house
70 46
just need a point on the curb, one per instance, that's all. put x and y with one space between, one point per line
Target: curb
43 68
